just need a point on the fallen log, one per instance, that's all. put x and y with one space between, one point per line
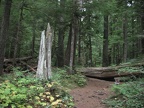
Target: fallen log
98 69
109 72
32 69
17 59
131 65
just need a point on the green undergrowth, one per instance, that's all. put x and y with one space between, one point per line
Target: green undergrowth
68 80
131 69
128 95
21 89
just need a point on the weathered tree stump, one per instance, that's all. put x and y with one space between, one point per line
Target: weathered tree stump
44 61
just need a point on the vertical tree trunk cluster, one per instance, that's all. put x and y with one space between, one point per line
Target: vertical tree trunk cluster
74 34
17 40
4 31
61 33
142 25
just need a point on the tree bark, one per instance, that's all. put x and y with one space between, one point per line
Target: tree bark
60 53
4 31
79 47
142 26
105 43
72 50
48 50
141 12
41 60
18 33
67 52
33 38
44 62
125 44
74 34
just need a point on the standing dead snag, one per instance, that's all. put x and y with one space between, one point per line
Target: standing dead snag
48 50
44 61
40 70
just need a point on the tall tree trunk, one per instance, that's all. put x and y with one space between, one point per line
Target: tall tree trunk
142 26
79 48
74 33
118 54
0 16
90 51
73 37
33 37
18 33
60 54
72 50
105 43
54 48
125 38
49 35
89 42
67 52
4 31
113 54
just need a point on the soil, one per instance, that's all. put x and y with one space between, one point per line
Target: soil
93 94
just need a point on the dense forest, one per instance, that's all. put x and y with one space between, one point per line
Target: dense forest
85 33
103 32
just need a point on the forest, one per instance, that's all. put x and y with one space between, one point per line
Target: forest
84 34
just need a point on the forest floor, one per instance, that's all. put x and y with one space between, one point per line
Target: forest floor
93 94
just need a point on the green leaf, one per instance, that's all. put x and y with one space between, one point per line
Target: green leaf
29 106
13 106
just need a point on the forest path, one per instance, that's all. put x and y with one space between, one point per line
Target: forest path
92 95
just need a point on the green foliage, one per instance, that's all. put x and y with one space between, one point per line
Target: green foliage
24 91
128 95
67 80
131 69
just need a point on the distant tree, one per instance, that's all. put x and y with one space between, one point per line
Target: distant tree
125 45
74 34
4 31
105 61
61 33
142 23
17 36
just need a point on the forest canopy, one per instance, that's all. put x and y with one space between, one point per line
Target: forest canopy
105 32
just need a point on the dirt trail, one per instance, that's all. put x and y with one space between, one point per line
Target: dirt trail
92 95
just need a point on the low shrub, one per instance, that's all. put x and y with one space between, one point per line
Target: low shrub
24 91
68 80
131 69
128 95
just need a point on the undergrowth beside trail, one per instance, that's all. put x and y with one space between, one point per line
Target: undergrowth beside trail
68 80
21 89
128 95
